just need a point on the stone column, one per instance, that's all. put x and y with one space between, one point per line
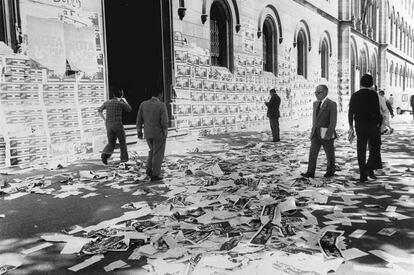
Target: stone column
382 49
344 66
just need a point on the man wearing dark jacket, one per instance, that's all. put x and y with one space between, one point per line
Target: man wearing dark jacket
153 117
273 114
364 108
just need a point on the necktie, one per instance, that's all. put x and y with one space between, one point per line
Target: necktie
318 108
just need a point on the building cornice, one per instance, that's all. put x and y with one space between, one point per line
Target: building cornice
317 10
391 51
363 36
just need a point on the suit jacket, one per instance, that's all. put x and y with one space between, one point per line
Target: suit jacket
326 118
364 108
273 106
153 115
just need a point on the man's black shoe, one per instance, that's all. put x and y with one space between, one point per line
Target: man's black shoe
328 175
363 179
104 159
155 178
276 140
372 175
307 175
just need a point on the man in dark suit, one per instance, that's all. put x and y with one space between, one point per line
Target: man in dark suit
273 114
364 108
153 115
323 132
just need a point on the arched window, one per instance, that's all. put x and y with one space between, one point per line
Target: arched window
356 9
353 68
391 73
363 64
391 27
269 45
221 35
374 68
374 20
325 59
301 45
406 38
404 76
396 32
401 36
396 75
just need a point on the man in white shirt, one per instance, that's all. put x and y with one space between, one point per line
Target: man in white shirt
385 126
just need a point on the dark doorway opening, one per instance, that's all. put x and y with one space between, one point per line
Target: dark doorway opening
134 50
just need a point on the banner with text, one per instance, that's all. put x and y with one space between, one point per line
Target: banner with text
46 43
81 49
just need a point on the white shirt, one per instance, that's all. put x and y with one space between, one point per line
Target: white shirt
323 100
383 105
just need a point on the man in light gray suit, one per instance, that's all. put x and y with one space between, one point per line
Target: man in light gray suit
153 115
323 132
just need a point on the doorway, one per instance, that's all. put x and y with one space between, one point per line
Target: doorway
134 47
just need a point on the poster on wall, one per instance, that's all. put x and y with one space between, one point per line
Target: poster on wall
46 43
72 5
81 49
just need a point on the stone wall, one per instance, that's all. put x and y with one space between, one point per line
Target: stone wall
213 99
44 114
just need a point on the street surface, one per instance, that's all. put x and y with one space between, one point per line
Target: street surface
229 204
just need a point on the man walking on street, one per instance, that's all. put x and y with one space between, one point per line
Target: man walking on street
386 112
323 132
364 108
273 114
153 115
113 123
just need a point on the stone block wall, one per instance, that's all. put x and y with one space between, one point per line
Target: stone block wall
44 116
213 99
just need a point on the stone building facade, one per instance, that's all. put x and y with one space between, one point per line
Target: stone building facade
267 45
216 60
379 39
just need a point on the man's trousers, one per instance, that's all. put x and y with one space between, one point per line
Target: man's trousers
274 126
328 146
115 130
155 155
368 134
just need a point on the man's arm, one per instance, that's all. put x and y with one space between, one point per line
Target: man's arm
333 114
100 110
125 105
278 101
377 111
272 103
164 119
351 113
140 122
390 108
